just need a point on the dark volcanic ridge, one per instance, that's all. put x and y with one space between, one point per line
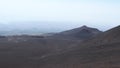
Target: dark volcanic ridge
81 33
98 50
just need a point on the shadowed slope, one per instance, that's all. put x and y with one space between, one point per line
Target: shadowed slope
100 52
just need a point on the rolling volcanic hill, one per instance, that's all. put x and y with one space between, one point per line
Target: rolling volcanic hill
81 33
100 51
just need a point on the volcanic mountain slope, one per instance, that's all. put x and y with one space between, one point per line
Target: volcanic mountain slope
31 52
27 51
81 33
102 51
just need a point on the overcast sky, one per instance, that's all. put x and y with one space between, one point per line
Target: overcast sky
102 14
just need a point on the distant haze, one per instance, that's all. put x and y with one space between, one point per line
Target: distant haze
58 15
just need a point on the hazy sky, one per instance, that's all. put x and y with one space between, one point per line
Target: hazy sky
102 14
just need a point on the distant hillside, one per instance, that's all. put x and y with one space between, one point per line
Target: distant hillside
80 33
30 28
99 52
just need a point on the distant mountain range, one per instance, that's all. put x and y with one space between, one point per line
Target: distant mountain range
30 28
